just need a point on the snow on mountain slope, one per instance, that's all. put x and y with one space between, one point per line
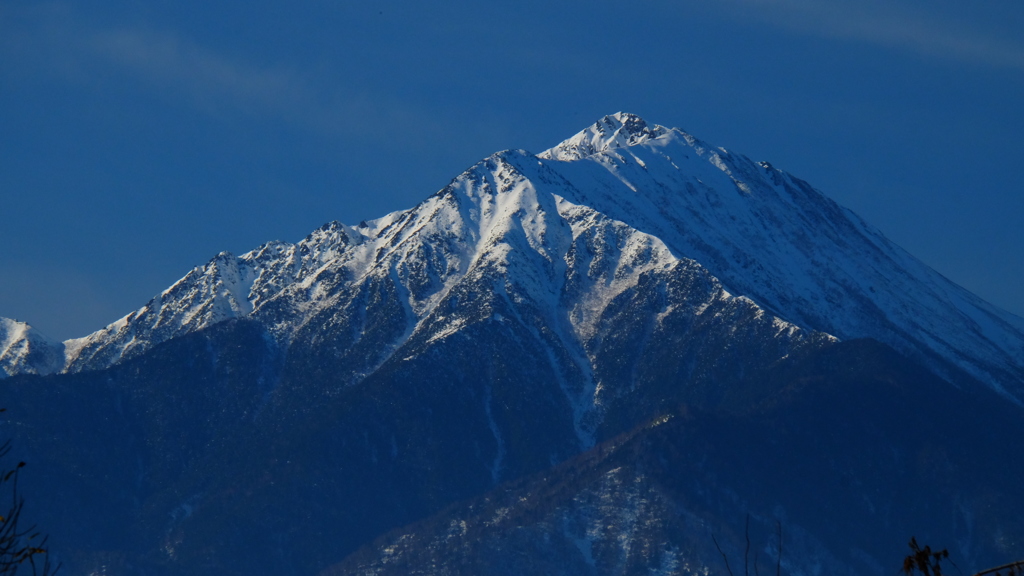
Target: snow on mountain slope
490 247
569 230
775 239
226 287
24 350
616 131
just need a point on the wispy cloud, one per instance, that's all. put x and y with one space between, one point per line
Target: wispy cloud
54 39
207 78
924 28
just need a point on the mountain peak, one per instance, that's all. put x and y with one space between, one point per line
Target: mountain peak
24 350
614 131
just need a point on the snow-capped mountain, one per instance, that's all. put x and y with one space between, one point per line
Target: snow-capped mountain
764 234
533 324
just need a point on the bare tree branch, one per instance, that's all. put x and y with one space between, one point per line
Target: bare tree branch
746 553
1012 565
20 547
713 539
778 563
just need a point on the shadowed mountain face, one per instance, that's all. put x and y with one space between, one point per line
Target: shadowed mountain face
217 452
277 411
848 447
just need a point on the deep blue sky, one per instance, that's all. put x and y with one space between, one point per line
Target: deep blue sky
137 140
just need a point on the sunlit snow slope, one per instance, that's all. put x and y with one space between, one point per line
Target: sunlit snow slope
772 237
562 234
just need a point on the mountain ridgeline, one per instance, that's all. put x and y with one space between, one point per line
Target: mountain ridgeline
585 361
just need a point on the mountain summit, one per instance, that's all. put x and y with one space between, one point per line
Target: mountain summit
616 131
